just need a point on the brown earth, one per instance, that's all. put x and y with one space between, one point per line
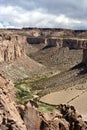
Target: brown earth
72 96
21 68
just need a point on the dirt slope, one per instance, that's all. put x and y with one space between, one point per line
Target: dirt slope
22 68
61 59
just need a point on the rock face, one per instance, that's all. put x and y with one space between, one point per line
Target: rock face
10 48
65 119
9 116
84 60
68 119
53 121
66 42
73 117
75 43
35 40
31 117
71 43
53 42
14 62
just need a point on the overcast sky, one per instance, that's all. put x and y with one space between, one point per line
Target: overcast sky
43 13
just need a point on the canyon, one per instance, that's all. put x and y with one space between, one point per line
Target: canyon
40 62
27 117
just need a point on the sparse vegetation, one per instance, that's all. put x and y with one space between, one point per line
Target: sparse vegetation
23 95
45 108
27 88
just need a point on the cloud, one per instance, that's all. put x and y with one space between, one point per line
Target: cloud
41 13
1 25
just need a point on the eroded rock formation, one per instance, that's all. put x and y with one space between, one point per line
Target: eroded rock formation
84 60
9 116
66 42
35 40
65 119
71 43
73 117
11 47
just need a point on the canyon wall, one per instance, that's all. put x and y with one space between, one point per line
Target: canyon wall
15 45
14 62
84 60
11 47
16 39
71 43
35 40
75 43
9 116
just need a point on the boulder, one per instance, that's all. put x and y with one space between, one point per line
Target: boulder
72 117
53 121
31 116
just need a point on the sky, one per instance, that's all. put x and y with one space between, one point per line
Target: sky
70 14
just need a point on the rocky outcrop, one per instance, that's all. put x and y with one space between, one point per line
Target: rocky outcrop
9 116
66 42
73 117
14 62
84 60
35 40
71 43
53 121
68 119
31 116
42 121
11 47
75 43
65 119
56 32
51 42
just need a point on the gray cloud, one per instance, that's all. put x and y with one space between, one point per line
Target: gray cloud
43 13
